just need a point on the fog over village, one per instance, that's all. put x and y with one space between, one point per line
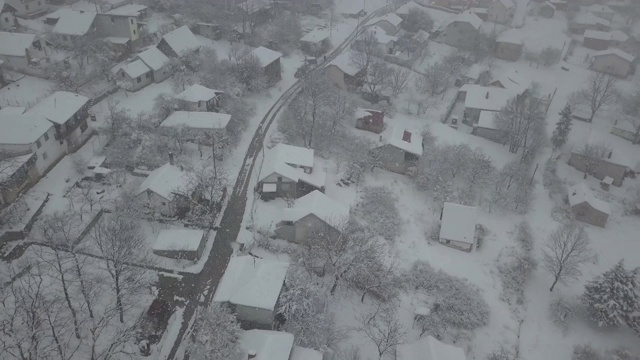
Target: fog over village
319 180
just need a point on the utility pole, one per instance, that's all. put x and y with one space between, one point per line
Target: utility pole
534 174
213 150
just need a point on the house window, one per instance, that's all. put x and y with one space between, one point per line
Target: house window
131 21
122 73
113 20
38 144
286 186
279 178
39 3
83 126
134 31
65 37
26 6
148 75
46 136
44 155
139 79
6 19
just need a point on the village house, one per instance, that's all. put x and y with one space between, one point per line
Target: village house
509 45
613 62
353 10
487 128
481 12
480 98
511 80
501 11
584 21
208 30
73 24
290 171
601 11
386 43
625 130
428 348
462 31
185 244
199 98
598 168
197 123
311 214
596 40
179 43
139 12
405 9
400 149
21 52
269 60
560 5
273 345
17 173
157 61
134 76
68 113
586 207
119 29
624 42
343 73
251 286
163 191
390 23
315 42
28 9
547 10
8 19
458 226
370 120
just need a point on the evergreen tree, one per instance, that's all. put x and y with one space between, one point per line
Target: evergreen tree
563 127
613 298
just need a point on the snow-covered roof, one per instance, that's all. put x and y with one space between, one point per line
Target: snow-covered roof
267 344
84 5
616 52
467 17
165 181
458 223
599 9
22 129
315 36
486 120
549 4
10 165
59 107
182 41
15 44
300 353
286 160
74 23
486 98
178 239
474 71
320 205
344 63
252 282
128 10
117 40
293 155
57 14
587 18
135 68
511 80
360 112
428 348
197 120
511 36
580 193
595 34
265 56
392 18
617 35
477 10
154 58
12 110
507 3
197 92
402 138
409 7
381 35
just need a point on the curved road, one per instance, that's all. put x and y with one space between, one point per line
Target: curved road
200 287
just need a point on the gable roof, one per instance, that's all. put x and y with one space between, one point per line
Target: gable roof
12 110
392 18
580 193
486 97
59 107
458 223
165 181
15 44
615 52
154 58
587 18
507 3
300 353
344 63
428 348
286 160
409 7
197 92
127 10
511 36
600 9
486 120
293 155
252 282
22 129
404 139
182 41
467 17
178 240
512 81
265 56
326 209
315 36
617 35
381 35
197 120
267 344
135 68
74 23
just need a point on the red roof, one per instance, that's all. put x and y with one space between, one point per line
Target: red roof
406 136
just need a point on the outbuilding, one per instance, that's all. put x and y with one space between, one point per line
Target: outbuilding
134 76
458 226
185 244
586 207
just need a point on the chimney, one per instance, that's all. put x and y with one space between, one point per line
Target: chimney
486 96
171 159
251 354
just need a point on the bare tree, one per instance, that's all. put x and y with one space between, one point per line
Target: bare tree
378 76
630 111
383 328
518 118
566 249
399 80
600 91
380 280
216 335
367 50
435 80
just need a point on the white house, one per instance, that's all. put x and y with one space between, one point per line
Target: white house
501 11
390 23
179 42
274 345
199 98
252 286
162 190
134 75
19 51
613 62
312 212
429 348
458 226
73 24
198 122
157 61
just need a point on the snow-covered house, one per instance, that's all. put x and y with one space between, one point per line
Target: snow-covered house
501 11
624 42
487 128
584 21
274 345
561 5
179 42
596 40
429 348
199 98
547 10
462 31
405 9
482 98
512 81
163 190
458 226
314 212
625 130
613 62
68 113
119 28
400 149
180 243
343 73
157 61
315 42
134 75
601 11
73 24
134 10
198 122
269 60
20 51
386 43
598 168
509 45
8 20
252 287
17 173
28 8
390 23
290 171
370 120
586 207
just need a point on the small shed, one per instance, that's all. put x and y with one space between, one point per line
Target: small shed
179 42
547 10
613 62
370 120
163 190
269 60
606 183
315 42
200 98
458 226
586 207
509 45
180 244
134 75
198 122
157 61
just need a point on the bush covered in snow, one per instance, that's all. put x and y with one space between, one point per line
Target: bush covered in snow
500 354
562 311
378 209
585 352
216 334
517 266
